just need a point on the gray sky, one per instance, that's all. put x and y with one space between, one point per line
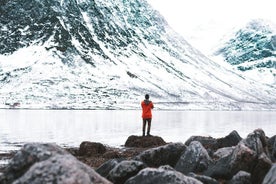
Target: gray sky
204 22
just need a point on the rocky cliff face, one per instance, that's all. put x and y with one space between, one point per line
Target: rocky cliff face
107 55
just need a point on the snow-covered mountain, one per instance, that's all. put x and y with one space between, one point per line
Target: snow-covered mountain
102 54
252 50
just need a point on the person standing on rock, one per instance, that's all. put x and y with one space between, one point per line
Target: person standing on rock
146 105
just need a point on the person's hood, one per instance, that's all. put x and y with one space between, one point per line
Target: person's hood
147 102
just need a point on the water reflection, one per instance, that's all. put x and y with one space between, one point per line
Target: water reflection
70 128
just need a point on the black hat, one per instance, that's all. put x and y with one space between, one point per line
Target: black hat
147 96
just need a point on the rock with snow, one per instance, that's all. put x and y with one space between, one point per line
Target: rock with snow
162 155
124 170
194 159
61 169
161 176
144 141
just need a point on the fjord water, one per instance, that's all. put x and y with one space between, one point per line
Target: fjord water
68 128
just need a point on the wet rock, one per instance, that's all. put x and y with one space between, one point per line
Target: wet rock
26 157
270 177
163 155
194 159
203 179
144 141
211 144
124 170
61 169
91 148
261 168
241 177
161 176
106 167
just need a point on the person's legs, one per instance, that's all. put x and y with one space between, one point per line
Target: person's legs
144 126
149 125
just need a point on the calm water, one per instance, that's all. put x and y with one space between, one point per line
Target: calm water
71 127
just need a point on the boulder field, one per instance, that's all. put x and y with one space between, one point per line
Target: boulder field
149 160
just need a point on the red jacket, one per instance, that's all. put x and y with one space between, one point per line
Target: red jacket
146 109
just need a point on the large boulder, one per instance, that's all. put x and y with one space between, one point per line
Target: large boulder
212 144
124 170
270 177
249 155
163 155
161 176
194 159
91 148
61 169
26 157
144 141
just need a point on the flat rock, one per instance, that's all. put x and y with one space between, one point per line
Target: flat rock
144 141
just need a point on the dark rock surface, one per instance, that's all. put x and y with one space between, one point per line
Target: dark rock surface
194 159
272 147
163 155
91 148
106 167
161 176
241 177
144 141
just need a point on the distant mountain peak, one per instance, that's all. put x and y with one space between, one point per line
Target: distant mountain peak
252 50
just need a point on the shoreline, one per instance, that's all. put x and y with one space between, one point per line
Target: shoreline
200 158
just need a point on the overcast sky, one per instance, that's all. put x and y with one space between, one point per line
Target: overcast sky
204 22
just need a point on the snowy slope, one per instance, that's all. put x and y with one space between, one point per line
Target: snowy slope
105 54
252 50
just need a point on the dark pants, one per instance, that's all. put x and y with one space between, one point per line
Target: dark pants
145 121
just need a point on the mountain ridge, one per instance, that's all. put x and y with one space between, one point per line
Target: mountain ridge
106 55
